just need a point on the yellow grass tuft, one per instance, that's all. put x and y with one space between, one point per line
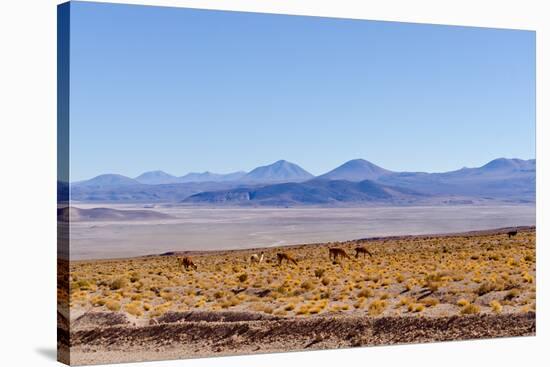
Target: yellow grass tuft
376 307
470 309
118 283
113 305
134 308
496 306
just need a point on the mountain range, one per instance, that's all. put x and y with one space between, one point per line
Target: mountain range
313 192
355 182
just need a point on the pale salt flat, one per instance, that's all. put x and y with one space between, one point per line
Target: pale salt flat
235 228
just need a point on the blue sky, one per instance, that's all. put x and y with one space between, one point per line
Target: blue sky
192 90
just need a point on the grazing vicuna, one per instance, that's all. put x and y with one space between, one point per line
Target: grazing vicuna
362 250
257 259
284 256
187 263
333 253
512 233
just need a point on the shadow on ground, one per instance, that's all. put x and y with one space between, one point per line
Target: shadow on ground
48 353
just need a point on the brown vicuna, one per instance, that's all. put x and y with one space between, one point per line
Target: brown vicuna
333 253
362 250
512 233
187 263
284 256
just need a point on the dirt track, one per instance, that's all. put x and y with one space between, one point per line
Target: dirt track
176 336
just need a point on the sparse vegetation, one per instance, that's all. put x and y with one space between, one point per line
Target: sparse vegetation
376 307
496 306
243 277
112 305
118 283
412 276
469 309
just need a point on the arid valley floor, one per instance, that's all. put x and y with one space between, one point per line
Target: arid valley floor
412 289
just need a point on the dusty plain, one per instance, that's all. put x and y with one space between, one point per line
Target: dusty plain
203 228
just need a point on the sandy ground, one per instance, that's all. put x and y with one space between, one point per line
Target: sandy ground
237 228
412 289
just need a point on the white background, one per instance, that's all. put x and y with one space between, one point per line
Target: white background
28 181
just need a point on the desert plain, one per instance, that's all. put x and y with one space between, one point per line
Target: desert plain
181 228
405 289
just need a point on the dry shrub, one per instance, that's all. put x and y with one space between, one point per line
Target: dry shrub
405 301
118 283
376 307
112 305
302 310
470 309
134 308
82 285
415 307
486 287
243 277
430 302
319 273
290 307
528 278
496 306
98 301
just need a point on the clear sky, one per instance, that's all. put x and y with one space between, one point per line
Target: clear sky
192 90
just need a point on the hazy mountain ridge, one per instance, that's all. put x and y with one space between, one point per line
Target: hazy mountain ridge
280 171
285 183
107 180
156 178
500 178
147 193
161 177
310 192
211 177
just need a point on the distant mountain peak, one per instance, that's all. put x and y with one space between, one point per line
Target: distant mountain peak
356 170
509 164
107 180
278 171
358 160
281 162
155 177
156 172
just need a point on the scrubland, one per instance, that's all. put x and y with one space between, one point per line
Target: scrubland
410 289
405 276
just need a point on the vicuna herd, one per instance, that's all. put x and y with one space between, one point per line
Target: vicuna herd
333 254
